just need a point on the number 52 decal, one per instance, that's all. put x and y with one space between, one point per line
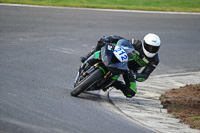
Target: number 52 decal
120 54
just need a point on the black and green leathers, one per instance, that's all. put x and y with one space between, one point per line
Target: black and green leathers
139 61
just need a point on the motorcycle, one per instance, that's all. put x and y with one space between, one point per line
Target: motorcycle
104 67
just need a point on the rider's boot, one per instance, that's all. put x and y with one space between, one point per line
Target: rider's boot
84 58
119 85
100 44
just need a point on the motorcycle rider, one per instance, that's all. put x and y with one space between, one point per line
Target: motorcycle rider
146 57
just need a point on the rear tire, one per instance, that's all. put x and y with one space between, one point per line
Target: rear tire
87 82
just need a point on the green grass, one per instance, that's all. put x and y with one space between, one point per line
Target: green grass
194 117
156 5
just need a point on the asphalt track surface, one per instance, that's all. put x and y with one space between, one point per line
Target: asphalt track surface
39 52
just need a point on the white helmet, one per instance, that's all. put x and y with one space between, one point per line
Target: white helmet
151 45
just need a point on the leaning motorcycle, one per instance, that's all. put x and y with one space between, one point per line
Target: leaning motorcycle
103 68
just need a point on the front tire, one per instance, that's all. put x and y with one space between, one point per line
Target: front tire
87 82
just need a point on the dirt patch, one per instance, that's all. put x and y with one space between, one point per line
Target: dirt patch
184 104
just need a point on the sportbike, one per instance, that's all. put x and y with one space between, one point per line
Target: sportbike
104 67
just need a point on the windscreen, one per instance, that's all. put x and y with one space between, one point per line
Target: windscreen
127 47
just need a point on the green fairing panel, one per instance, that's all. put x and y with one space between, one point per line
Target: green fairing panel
115 77
103 70
97 54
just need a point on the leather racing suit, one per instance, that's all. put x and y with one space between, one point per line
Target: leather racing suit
140 61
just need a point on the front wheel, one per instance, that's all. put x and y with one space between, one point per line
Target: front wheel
87 82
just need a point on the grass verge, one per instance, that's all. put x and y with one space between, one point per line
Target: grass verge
155 5
184 104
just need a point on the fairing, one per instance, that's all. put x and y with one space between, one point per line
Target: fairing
111 61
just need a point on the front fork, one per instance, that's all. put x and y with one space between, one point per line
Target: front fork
91 64
108 80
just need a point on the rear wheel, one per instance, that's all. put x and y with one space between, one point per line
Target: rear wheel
86 82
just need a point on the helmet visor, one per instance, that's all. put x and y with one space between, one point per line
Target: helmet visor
150 48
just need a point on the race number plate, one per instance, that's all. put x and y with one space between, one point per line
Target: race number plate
120 54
